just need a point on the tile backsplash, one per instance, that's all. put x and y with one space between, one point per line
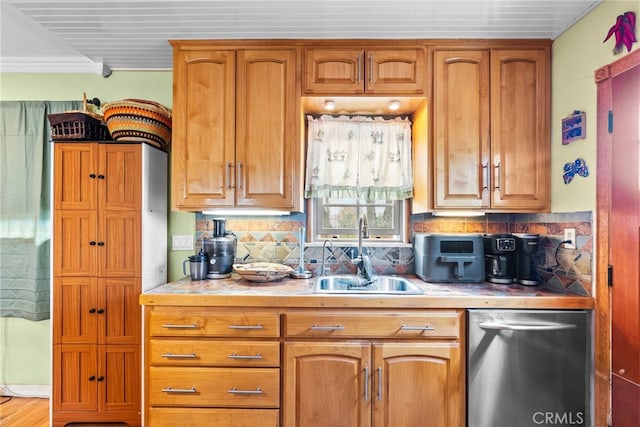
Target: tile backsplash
275 239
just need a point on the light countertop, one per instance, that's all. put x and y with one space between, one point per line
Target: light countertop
238 292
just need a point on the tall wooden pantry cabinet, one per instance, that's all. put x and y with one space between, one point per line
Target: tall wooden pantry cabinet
109 230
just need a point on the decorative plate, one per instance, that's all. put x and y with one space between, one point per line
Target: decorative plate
262 271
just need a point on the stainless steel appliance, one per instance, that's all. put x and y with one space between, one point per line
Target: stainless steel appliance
526 248
221 249
528 368
449 257
499 254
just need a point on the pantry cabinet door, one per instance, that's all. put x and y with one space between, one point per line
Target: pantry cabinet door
75 243
120 176
75 168
119 389
75 310
75 378
119 244
120 312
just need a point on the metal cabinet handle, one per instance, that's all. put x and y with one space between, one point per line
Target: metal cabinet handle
93 243
174 326
92 378
92 310
92 175
179 356
227 177
239 176
370 67
100 243
417 328
234 326
236 391
358 77
101 311
179 390
366 383
526 327
327 328
100 176
497 175
379 383
485 176
101 378
240 356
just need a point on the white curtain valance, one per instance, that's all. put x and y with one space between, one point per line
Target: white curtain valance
359 157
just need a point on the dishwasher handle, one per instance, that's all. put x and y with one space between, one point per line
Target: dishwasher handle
497 326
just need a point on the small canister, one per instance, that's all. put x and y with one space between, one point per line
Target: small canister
198 266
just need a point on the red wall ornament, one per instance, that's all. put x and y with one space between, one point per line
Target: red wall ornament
625 32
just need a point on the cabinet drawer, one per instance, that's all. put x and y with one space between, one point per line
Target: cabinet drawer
188 417
226 387
444 324
185 322
214 353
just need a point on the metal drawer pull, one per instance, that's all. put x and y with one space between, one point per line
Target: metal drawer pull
179 390
258 326
327 328
366 383
239 356
417 328
379 383
526 327
236 391
179 356
173 326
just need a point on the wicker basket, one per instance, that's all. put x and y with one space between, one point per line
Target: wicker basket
137 120
77 125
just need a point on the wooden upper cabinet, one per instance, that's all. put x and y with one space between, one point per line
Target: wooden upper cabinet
492 129
461 128
394 71
235 128
520 123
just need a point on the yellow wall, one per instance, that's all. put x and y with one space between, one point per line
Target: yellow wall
576 54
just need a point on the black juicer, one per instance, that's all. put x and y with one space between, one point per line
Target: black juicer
221 249
500 256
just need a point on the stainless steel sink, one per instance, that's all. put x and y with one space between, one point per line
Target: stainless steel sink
351 284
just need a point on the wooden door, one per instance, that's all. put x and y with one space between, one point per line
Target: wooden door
75 378
75 310
120 177
520 138
418 384
327 384
76 174
119 245
396 71
120 373
267 140
119 311
75 243
625 247
461 129
203 138
333 71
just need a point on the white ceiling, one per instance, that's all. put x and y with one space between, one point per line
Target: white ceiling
81 35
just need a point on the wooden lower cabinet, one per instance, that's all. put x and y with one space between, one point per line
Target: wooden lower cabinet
372 384
186 417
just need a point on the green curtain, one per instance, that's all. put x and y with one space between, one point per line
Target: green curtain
25 206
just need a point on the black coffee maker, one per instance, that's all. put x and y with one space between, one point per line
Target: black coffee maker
526 248
499 255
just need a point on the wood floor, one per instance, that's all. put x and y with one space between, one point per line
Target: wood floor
22 411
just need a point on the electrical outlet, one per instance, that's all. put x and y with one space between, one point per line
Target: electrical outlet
182 242
570 234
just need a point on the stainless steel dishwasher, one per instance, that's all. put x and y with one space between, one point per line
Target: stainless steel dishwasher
528 368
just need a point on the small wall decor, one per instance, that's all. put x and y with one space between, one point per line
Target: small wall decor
624 30
574 127
571 169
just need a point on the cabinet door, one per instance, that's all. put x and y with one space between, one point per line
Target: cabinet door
520 139
74 378
333 71
396 71
203 138
75 175
267 140
327 384
461 129
418 384
120 176
75 243
75 310
119 311
119 379
119 244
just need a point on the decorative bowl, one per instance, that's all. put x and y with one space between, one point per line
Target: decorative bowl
262 271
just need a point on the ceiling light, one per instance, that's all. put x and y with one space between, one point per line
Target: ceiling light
329 105
394 105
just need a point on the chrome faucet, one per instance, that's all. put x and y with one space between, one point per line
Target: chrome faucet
324 268
362 261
